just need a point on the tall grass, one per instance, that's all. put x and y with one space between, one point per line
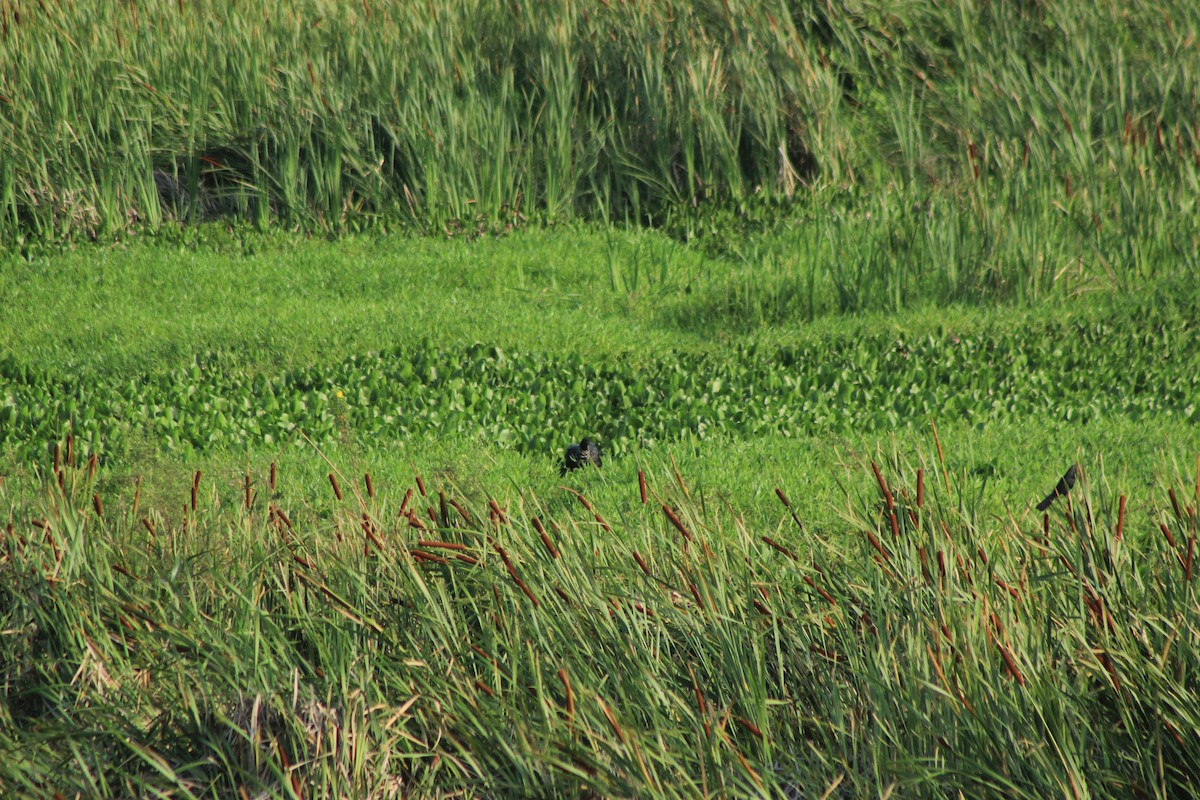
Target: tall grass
479 112
408 640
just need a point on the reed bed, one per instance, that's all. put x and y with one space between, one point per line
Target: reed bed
469 115
413 641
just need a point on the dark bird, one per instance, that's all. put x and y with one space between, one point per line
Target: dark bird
1064 486
580 455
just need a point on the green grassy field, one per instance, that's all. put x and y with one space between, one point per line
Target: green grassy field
295 333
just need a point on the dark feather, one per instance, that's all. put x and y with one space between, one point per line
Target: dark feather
580 455
1064 485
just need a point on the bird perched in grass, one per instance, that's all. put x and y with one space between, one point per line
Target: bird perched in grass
579 455
1064 485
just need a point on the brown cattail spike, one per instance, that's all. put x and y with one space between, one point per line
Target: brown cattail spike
777 546
337 490
570 695
612 721
679 479
787 504
462 512
369 529
642 486
675 521
1187 565
1010 663
1167 533
537 526
195 489
887 493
